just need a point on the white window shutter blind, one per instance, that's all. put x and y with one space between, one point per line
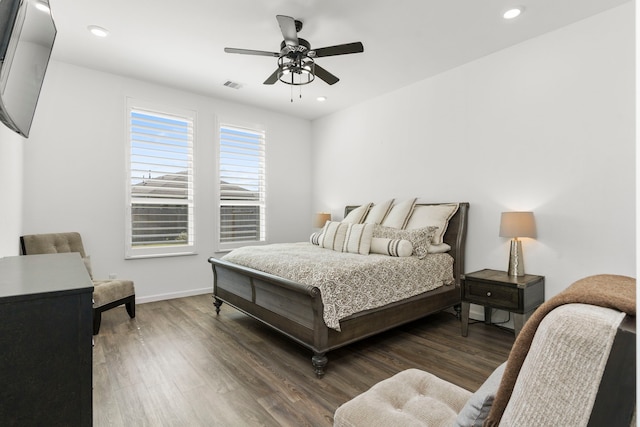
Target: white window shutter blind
161 183
242 186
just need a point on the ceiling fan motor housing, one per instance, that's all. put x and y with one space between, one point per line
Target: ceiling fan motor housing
302 48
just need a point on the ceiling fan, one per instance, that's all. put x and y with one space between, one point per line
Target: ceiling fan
296 59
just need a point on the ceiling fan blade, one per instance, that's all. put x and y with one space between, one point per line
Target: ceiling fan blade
288 28
325 75
341 49
272 78
250 52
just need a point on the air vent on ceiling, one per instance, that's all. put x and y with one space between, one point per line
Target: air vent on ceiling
232 85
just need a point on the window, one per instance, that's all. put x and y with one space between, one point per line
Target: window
160 216
242 186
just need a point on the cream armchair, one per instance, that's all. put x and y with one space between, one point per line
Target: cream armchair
573 364
107 294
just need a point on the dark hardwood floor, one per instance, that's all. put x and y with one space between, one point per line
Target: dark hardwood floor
178 364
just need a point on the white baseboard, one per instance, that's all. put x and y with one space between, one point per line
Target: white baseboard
173 295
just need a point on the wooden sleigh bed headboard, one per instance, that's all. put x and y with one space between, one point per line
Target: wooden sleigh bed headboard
296 310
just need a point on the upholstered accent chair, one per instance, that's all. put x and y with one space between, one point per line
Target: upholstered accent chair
576 368
107 294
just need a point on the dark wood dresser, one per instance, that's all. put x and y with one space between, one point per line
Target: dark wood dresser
45 341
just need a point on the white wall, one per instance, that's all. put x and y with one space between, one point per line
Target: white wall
10 191
547 126
74 174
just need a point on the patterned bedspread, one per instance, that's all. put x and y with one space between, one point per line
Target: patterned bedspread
348 283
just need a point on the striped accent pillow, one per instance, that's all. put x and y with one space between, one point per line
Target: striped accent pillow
357 215
391 247
315 238
358 239
333 235
399 214
378 212
419 238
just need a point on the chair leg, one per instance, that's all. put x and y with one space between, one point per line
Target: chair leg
130 305
97 317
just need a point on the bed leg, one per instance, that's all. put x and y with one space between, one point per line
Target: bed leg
319 361
458 310
217 302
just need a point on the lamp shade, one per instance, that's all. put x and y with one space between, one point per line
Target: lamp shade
320 219
517 224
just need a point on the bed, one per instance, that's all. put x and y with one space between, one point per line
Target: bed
297 310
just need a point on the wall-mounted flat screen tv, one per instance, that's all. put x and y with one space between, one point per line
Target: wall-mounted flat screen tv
27 34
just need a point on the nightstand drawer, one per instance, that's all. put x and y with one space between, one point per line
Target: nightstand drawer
489 294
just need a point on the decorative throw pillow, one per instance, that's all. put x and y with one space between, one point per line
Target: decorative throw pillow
391 247
315 238
399 214
477 408
420 238
358 239
333 235
378 212
432 215
357 215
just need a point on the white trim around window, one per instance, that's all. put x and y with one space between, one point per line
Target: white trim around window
160 195
242 188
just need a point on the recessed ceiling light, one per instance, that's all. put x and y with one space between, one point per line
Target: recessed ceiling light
40 5
321 98
513 13
98 31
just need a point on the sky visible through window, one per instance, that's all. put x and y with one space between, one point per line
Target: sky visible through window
159 147
241 162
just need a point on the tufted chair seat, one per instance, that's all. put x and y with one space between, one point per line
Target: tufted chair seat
107 294
406 399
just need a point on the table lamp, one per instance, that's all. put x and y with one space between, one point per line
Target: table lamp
320 219
514 225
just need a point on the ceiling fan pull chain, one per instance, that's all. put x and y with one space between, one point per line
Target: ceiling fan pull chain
291 91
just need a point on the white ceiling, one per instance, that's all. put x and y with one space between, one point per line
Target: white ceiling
179 43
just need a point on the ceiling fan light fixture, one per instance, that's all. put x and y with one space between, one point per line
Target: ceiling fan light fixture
296 71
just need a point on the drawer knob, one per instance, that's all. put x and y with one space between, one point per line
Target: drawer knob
488 294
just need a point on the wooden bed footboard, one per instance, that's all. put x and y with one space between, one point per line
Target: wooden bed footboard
296 310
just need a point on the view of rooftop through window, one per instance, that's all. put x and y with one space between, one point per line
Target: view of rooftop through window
161 181
242 185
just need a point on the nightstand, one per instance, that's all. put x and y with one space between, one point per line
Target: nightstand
496 289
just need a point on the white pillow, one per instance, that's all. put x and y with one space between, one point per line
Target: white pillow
432 216
439 249
378 212
358 239
391 247
399 214
333 235
357 215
